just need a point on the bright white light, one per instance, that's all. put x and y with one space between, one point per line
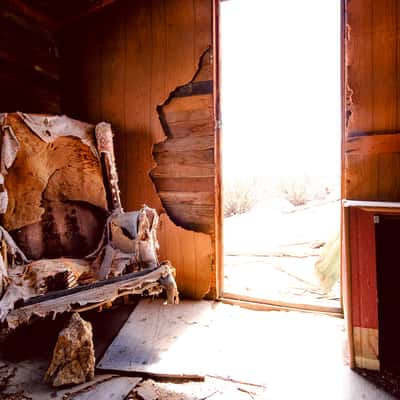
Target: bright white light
281 87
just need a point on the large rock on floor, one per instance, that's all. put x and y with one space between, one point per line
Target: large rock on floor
73 357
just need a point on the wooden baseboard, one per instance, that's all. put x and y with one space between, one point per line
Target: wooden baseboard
266 305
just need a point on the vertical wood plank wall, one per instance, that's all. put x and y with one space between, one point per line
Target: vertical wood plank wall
371 151
119 65
371 142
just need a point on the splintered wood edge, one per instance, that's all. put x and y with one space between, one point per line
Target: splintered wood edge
144 374
88 299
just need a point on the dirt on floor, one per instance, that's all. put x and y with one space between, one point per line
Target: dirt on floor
247 354
211 388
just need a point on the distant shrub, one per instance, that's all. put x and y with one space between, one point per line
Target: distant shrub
327 268
239 196
295 190
301 189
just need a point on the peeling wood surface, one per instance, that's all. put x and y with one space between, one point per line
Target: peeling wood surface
188 154
90 296
119 65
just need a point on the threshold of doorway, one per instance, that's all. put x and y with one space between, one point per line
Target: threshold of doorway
254 303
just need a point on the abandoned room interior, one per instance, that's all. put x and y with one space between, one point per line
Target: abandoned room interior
114 281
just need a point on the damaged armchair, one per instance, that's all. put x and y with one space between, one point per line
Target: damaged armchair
65 242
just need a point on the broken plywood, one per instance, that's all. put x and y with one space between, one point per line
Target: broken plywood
185 159
91 295
161 341
116 388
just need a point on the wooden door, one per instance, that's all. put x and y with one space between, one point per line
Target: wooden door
371 144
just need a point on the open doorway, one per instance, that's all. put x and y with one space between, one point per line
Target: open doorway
280 91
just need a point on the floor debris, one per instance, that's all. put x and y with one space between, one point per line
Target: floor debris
115 388
243 355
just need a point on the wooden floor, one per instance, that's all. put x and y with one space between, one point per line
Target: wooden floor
242 354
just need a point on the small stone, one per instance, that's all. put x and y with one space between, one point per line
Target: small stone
73 356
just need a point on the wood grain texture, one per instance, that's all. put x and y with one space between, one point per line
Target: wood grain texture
217 275
371 151
193 250
119 65
190 153
372 82
366 350
373 64
86 297
375 144
159 340
363 269
116 388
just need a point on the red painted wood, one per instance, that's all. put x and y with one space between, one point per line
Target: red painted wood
363 269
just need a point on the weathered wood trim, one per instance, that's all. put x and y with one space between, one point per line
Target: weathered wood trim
372 133
366 348
337 311
217 284
67 292
373 144
194 89
256 306
346 286
93 295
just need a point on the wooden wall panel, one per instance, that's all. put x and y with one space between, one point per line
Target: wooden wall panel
363 258
371 152
372 59
135 53
188 151
373 63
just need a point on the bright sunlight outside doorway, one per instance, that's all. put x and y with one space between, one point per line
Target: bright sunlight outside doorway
281 150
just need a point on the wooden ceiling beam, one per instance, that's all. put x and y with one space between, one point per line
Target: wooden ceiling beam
93 8
32 14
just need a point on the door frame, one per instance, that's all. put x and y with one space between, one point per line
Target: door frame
219 220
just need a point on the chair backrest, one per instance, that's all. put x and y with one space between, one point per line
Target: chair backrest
55 184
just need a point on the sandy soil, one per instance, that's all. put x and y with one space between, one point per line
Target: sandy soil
271 251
